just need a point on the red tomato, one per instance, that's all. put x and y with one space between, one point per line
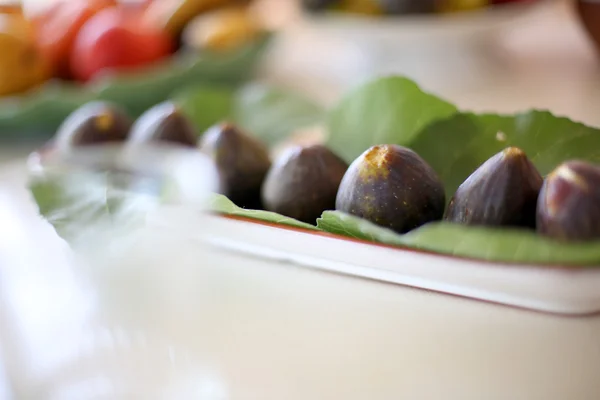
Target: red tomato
117 40
57 27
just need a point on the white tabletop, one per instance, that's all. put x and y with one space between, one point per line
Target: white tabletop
243 328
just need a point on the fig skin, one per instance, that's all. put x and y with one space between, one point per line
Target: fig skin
303 182
392 186
93 123
568 207
163 123
242 162
503 191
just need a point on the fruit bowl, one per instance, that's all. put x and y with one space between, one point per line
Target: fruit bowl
382 34
410 25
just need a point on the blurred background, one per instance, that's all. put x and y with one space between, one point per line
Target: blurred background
483 55
496 57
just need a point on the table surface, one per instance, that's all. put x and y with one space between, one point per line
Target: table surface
244 328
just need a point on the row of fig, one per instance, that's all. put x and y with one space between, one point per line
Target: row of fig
388 185
507 190
241 161
393 187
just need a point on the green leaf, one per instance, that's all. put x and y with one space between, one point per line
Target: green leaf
268 112
39 112
491 244
340 223
273 113
77 203
206 105
503 245
222 205
389 110
457 146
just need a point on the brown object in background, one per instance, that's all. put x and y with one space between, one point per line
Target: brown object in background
589 14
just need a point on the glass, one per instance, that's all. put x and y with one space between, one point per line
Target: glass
94 319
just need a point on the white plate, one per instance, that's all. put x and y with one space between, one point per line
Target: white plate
569 291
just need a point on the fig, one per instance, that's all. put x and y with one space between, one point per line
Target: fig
392 186
503 191
93 123
164 122
568 206
303 182
242 162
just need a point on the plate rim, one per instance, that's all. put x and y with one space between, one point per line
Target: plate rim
468 260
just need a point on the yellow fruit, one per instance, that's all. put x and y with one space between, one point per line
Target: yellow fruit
21 65
173 15
221 30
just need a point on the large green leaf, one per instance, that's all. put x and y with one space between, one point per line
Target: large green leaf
222 205
268 112
458 145
273 113
390 110
501 245
39 112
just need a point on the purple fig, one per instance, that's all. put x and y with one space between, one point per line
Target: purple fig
503 191
165 123
392 186
569 203
91 124
303 182
242 163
